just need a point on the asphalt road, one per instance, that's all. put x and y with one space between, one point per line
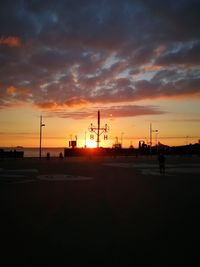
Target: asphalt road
99 211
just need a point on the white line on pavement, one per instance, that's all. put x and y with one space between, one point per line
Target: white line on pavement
62 177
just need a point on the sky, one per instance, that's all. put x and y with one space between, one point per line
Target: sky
136 61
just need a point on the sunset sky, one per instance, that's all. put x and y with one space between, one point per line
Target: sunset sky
136 61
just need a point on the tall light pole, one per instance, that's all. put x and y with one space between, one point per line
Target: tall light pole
156 141
85 139
156 136
41 125
152 131
150 137
98 130
121 138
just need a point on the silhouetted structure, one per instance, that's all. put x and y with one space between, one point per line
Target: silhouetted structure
117 145
151 131
48 155
98 130
41 125
99 152
11 154
73 144
60 155
143 149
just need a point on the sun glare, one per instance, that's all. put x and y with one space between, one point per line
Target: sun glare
91 143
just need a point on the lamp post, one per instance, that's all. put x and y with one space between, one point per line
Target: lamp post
41 125
85 139
121 138
150 137
155 131
152 131
156 140
98 130
156 137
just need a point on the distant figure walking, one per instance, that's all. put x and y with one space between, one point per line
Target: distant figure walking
161 161
48 155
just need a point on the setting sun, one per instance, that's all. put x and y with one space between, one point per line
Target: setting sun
91 144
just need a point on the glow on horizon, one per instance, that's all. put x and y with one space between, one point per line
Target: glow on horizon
91 143
20 127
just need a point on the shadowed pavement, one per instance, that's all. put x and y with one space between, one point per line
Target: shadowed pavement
119 216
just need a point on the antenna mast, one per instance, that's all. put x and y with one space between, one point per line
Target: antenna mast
41 125
98 130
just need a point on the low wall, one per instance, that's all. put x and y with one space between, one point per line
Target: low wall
11 154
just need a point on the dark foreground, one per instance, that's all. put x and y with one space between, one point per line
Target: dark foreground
120 217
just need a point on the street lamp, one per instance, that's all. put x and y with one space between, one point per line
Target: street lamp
121 138
41 125
156 140
156 137
98 130
152 131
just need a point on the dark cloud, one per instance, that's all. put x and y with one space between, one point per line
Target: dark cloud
107 112
186 55
71 53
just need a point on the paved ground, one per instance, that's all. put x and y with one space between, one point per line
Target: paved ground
102 211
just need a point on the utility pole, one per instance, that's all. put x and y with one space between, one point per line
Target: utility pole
152 131
98 130
156 138
150 137
41 125
121 138
85 139
155 131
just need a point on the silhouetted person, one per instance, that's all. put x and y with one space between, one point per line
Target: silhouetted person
161 160
48 155
61 155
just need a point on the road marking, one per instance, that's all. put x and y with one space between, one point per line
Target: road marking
184 170
23 176
150 165
155 173
62 177
132 165
153 169
17 176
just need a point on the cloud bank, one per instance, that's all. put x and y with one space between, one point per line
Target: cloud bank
70 54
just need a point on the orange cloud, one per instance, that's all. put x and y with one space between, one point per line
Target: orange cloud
69 103
47 105
11 90
151 68
11 41
76 102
